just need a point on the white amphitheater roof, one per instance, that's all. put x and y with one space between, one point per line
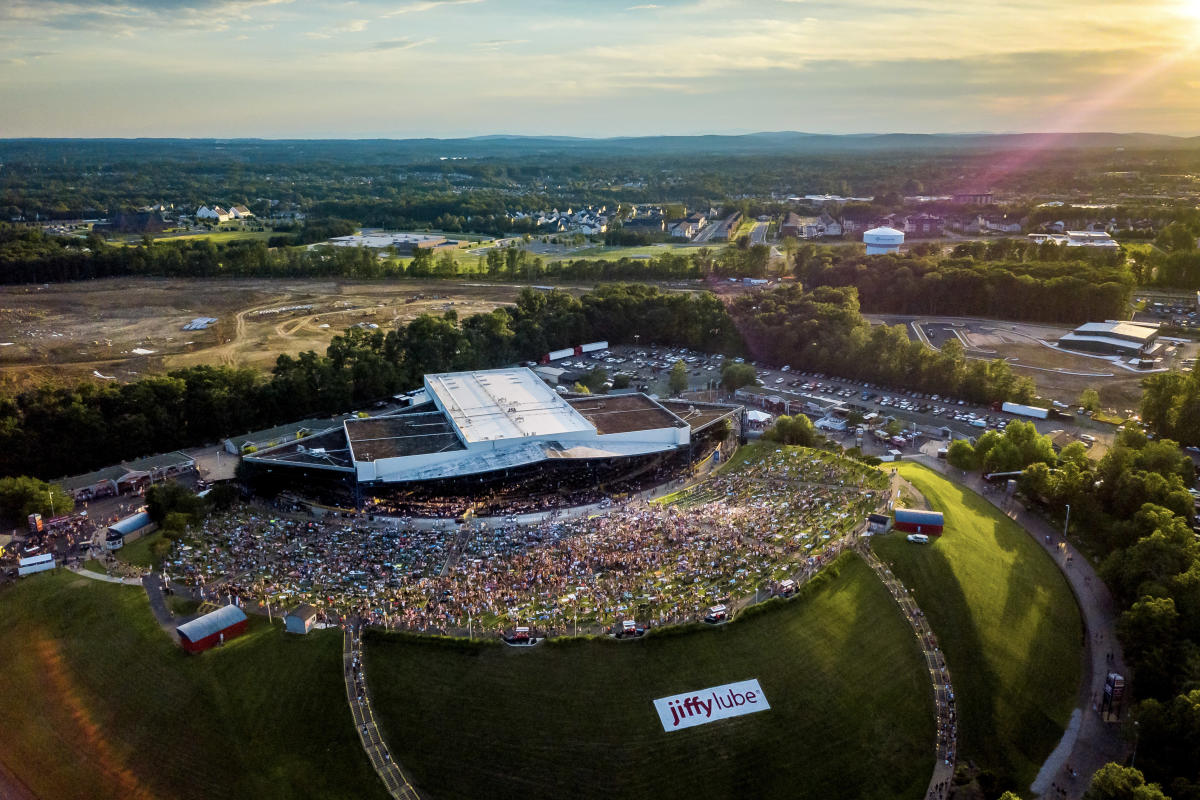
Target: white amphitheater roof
498 404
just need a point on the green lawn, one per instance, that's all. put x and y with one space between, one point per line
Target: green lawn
851 709
96 702
217 237
1006 620
138 552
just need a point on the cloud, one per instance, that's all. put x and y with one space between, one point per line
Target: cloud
353 26
492 44
427 5
643 7
400 44
126 16
317 35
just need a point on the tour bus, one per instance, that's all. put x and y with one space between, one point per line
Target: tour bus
918 538
717 614
521 635
787 588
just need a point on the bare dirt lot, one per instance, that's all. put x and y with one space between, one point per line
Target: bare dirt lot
1059 374
70 331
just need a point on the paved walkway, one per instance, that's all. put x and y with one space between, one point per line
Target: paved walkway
1090 741
939 675
99 576
359 697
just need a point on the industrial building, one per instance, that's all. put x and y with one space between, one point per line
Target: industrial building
883 240
212 629
911 520
490 422
1114 338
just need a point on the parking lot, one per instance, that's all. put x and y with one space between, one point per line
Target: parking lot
648 369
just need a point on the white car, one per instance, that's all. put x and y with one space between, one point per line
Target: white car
918 538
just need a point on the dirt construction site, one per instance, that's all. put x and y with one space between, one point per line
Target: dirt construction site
119 329
1059 374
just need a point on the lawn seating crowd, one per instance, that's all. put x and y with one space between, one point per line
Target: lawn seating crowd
784 515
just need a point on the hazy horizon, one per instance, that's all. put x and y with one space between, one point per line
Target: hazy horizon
397 69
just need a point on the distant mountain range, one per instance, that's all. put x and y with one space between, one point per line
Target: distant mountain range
507 146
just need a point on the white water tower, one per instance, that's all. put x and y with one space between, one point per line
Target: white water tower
883 240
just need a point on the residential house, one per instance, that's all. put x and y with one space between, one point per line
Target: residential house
830 226
1001 225
682 229
924 225
215 214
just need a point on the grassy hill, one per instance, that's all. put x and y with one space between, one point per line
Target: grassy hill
1006 620
851 707
96 702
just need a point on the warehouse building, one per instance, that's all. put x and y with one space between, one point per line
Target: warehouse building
1113 338
212 629
911 520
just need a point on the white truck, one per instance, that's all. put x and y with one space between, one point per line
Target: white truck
1026 411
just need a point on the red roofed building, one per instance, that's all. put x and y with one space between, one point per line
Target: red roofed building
212 629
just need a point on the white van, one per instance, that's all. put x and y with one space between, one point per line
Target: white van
918 538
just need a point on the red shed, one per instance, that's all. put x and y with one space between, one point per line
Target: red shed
911 520
212 629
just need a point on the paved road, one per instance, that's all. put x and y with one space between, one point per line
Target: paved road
1090 741
393 777
759 234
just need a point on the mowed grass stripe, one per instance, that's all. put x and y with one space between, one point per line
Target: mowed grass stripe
96 702
851 707
1006 620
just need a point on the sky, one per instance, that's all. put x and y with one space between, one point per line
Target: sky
447 68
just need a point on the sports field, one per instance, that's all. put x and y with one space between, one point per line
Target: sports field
1006 620
851 707
96 702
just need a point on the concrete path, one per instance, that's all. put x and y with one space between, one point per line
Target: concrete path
1090 740
97 576
946 746
393 777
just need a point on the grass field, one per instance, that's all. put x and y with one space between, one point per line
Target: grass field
1006 620
138 552
96 702
851 708
216 237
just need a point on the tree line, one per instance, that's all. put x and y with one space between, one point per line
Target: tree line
822 330
1133 512
1060 291
55 431
1171 405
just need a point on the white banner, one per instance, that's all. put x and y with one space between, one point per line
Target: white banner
709 705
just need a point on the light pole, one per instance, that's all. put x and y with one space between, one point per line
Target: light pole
1067 522
1133 759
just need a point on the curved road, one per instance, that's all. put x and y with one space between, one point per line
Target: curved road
1089 741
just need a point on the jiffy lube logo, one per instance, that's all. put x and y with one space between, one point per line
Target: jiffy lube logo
709 705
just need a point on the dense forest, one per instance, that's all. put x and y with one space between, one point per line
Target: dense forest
470 184
1171 405
1001 279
